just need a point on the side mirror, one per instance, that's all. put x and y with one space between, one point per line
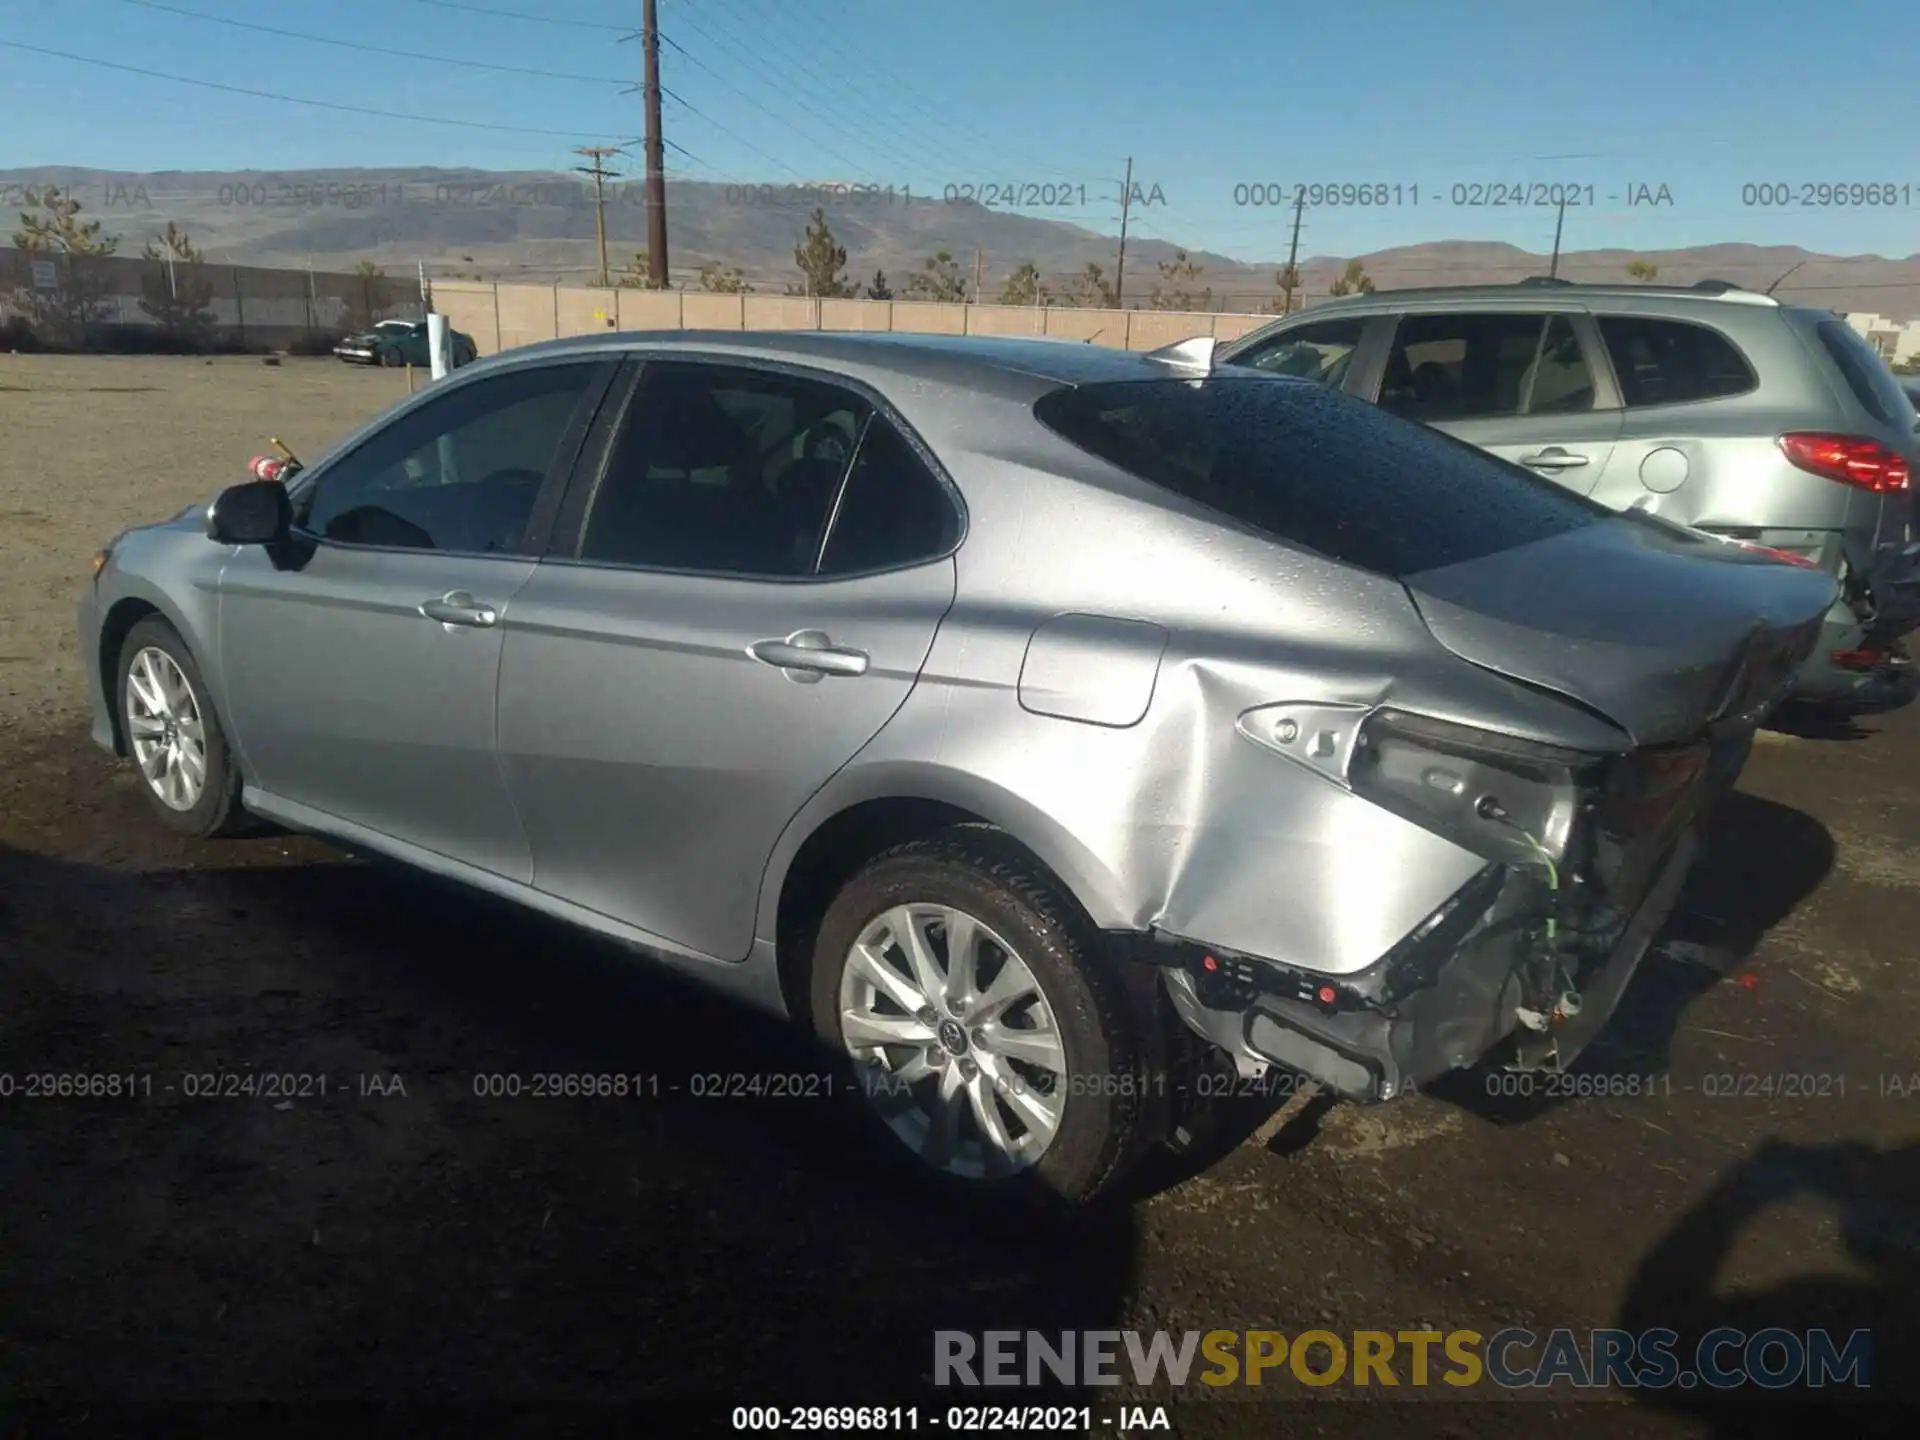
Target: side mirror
255 513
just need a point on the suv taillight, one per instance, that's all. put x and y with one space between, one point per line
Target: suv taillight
1849 459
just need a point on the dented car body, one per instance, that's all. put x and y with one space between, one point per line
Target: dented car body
1377 754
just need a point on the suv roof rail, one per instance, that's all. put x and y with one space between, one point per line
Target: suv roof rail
1715 287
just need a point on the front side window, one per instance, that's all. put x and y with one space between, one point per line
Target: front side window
724 469
460 472
1669 362
1322 351
1319 469
1483 367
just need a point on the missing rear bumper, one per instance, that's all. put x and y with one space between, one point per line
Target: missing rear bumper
1448 998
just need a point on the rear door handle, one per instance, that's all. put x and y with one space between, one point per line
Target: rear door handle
811 652
1554 458
457 607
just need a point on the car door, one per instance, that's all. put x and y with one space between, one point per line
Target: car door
745 600
361 660
1521 384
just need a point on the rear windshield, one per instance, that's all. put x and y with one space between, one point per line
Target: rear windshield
1866 373
1306 464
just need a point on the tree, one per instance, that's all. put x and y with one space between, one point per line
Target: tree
822 261
878 289
1089 289
938 278
51 228
1352 280
1642 270
373 297
1023 287
724 281
1287 280
638 275
177 293
1170 291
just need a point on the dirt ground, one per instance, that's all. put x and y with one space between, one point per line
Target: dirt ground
402 1237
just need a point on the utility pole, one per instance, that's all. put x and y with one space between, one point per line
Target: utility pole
1120 265
656 152
598 154
1553 269
1293 250
978 256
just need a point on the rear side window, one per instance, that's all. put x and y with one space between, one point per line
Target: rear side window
1318 468
1668 362
1866 373
1485 367
892 512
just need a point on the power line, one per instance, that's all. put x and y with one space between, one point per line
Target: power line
666 39
370 49
835 123
283 98
523 15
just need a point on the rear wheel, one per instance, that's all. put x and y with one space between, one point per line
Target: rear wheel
985 1039
187 774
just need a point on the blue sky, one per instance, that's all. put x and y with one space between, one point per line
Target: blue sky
1408 95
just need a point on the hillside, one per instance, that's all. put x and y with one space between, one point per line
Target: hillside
539 226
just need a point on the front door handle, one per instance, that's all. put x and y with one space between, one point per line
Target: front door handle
1554 458
457 607
811 652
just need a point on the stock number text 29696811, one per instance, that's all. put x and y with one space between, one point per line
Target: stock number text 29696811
1829 195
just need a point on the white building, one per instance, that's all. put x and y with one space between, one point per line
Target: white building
1898 341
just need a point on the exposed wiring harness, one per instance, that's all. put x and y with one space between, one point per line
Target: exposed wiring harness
1567 1002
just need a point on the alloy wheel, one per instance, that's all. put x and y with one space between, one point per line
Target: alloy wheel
165 727
954 1040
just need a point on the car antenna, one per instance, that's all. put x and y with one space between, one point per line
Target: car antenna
1783 275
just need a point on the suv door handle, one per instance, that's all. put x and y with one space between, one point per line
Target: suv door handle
457 607
1555 458
810 651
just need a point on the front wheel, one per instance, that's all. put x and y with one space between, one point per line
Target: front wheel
390 358
187 773
983 1034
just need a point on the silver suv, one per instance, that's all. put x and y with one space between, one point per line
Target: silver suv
1713 406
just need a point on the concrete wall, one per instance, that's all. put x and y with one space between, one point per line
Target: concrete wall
500 317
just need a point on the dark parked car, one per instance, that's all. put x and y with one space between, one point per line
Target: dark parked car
402 342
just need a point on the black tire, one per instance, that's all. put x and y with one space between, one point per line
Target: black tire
217 811
1110 1115
390 358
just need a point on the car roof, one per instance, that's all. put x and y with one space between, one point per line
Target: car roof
1548 288
972 361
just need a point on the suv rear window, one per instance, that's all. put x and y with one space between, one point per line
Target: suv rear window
1668 362
1866 373
1302 463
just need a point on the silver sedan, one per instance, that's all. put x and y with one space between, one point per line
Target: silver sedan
1047 728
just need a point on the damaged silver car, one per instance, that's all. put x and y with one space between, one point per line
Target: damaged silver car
1040 725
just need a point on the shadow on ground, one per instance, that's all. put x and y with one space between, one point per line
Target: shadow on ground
1876 1194
1760 860
435 1242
